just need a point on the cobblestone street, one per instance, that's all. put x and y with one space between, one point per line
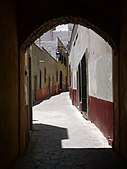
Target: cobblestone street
63 139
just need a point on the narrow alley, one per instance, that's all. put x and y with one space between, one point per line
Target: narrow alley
63 139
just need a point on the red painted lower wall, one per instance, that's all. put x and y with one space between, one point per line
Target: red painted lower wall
45 92
101 114
73 96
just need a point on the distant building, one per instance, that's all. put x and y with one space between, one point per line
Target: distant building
62 58
49 39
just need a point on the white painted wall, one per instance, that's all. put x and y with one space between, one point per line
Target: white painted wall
99 62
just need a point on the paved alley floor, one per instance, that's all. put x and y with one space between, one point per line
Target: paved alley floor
63 139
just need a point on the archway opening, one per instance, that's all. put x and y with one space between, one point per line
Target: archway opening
94 98
51 24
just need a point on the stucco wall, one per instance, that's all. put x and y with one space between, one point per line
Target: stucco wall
100 68
99 62
99 98
42 60
9 109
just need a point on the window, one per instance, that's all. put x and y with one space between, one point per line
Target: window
40 79
57 76
75 39
64 61
45 75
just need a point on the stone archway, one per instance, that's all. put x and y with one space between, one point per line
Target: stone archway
78 20
21 23
65 20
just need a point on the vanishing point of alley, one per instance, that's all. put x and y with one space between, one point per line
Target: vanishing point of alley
63 139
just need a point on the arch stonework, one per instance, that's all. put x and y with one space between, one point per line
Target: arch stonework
108 34
65 20
34 19
81 21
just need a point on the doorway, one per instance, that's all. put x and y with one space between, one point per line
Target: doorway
60 80
84 84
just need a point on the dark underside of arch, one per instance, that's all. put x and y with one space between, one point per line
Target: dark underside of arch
35 18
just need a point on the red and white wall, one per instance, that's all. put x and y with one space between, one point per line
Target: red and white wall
44 71
44 68
98 55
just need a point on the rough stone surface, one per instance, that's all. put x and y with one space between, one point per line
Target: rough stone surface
63 139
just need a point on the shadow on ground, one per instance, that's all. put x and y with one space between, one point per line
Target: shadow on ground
45 152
